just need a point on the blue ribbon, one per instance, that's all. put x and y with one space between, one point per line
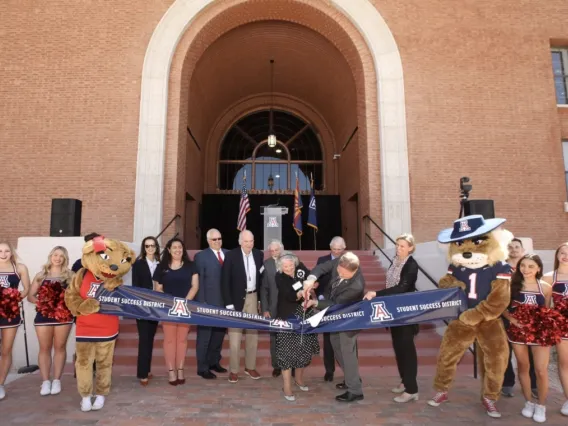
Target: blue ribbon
390 311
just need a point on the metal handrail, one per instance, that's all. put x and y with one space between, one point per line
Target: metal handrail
177 216
370 219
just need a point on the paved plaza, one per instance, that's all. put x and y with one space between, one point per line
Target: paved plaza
218 402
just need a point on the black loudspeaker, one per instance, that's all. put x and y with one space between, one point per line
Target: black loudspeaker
65 217
483 207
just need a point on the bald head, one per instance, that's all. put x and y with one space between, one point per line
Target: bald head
246 241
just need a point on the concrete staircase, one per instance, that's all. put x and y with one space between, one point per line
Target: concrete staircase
375 348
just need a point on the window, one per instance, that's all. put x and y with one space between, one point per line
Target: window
565 152
560 71
245 149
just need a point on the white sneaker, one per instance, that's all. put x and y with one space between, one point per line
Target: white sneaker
45 388
528 410
539 413
398 389
406 397
86 404
99 402
55 387
3 392
563 410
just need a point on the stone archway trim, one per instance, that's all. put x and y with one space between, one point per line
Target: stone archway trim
148 208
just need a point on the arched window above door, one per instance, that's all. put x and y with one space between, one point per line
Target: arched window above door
270 169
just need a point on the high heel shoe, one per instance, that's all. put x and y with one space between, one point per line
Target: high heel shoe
406 397
173 382
289 397
180 381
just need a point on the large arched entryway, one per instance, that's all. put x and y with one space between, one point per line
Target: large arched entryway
331 61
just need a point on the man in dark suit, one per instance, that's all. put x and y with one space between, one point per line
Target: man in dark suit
346 286
269 296
209 264
337 248
240 281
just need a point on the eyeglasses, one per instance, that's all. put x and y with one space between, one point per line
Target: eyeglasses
149 245
215 239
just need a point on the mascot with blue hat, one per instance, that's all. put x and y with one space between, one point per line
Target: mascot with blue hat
477 254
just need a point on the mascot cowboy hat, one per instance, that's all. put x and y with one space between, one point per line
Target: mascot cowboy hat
469 227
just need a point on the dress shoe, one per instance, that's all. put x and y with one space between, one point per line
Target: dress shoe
253 374
328 377
218 369
349 397
207 375
341 386
276 372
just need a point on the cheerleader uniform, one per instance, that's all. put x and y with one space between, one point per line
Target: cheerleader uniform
10 280
560 292
526 298
41 320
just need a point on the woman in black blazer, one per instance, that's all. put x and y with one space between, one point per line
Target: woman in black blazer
401 278
142 272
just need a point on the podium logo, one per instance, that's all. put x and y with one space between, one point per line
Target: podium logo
272 222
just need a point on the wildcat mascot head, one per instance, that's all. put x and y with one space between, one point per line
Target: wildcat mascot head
475 242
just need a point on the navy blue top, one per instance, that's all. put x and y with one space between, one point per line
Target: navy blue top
528 298
478 281
10 279
176 282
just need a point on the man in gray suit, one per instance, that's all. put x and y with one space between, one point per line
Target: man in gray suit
345 286
209 263
269 296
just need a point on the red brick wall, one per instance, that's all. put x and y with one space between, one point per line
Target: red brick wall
479 102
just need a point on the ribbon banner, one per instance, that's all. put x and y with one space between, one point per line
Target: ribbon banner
390 311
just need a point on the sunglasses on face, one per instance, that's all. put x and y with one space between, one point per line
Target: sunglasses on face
216 239
149 245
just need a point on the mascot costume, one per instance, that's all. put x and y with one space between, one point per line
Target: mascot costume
105 262
477 251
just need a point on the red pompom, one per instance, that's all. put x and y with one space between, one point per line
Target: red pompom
10 299
561 306
51 302
540 326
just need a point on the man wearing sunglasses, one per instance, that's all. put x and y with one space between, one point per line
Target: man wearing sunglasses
209 263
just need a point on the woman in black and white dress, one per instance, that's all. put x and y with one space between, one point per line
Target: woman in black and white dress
293 350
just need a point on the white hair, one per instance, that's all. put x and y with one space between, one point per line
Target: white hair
287 255
337 241
242 233
211 232
276 242
349 261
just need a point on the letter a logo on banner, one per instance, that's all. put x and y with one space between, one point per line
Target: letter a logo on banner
93 290
380 312
179 309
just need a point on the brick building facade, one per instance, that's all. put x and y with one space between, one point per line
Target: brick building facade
436 91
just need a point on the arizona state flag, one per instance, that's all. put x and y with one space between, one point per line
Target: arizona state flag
298 209
312 211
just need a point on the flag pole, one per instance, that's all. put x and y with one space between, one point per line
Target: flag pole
313 229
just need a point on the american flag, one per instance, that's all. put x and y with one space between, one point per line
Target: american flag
244 206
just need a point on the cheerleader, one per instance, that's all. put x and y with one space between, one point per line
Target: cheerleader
11 274
51 333
528 289
559 281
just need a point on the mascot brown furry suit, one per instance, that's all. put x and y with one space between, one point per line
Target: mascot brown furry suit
477 251
105 262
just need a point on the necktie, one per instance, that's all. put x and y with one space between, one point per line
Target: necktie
334 286
220 258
